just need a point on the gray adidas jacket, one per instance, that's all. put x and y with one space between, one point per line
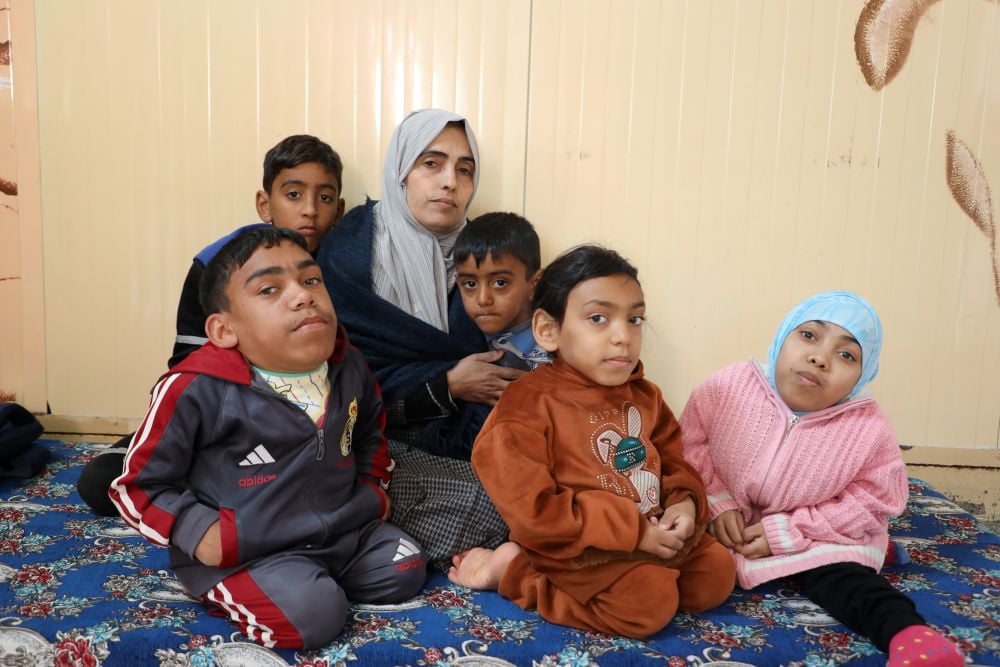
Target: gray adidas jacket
218 444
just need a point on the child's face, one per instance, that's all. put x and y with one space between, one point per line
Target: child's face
497 293
439 187
818 366
280 314
305 198
601 333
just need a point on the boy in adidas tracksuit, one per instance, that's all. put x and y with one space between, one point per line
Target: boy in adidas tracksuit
261 463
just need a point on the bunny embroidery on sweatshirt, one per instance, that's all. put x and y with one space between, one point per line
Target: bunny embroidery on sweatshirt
624 452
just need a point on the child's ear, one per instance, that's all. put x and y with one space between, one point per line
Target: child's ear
340 213
533 282
264 206
220 331
546 330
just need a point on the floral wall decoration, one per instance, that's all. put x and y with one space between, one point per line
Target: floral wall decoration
971 190
883 37
882 40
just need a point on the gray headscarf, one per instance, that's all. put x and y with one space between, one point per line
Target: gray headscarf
412 267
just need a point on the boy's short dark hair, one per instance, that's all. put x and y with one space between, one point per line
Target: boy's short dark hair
233 255
298 149
573 267
495 234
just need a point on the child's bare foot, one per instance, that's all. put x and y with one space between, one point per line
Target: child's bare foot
481 568
457 559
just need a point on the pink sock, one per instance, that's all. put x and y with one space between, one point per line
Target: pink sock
920 646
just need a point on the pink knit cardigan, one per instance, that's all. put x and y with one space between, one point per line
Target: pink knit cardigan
823 484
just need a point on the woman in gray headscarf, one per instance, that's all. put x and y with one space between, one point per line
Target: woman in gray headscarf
389 268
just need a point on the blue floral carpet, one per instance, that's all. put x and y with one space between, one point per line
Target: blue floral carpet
86 591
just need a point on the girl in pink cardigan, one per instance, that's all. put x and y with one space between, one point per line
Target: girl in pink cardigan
802 471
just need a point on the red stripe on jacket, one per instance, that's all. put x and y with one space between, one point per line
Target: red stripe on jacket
134 505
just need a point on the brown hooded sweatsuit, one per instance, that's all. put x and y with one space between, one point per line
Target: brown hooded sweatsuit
575 468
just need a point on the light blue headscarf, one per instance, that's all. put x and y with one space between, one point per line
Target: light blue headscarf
845 309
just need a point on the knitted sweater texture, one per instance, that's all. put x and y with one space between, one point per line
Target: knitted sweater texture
823 484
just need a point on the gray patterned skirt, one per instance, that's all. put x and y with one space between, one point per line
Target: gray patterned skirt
439 501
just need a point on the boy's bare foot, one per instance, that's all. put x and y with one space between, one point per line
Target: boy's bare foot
481 568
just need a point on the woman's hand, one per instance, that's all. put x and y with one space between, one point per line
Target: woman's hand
477 380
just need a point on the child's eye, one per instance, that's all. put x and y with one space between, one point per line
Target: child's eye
499 283
267 290
326 199
598 319
468 284
637 319
293 194
312 282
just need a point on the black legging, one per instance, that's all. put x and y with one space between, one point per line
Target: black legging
97 475
861 599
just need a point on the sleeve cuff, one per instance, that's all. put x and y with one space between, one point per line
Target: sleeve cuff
383 505
721 502
191 526
431 400
229 538
778 535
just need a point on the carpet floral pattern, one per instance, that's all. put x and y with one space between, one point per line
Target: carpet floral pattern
78 590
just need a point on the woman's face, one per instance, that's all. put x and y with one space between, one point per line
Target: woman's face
439 186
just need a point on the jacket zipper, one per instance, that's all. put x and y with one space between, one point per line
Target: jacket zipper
825 413
321 446
791 424
320 450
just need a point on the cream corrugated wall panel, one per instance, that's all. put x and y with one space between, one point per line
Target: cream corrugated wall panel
471 57
917 233
737 133
731 148
708 111
926 245
956 338
784 93
102 281
734 151
975 335
154 119
236 105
